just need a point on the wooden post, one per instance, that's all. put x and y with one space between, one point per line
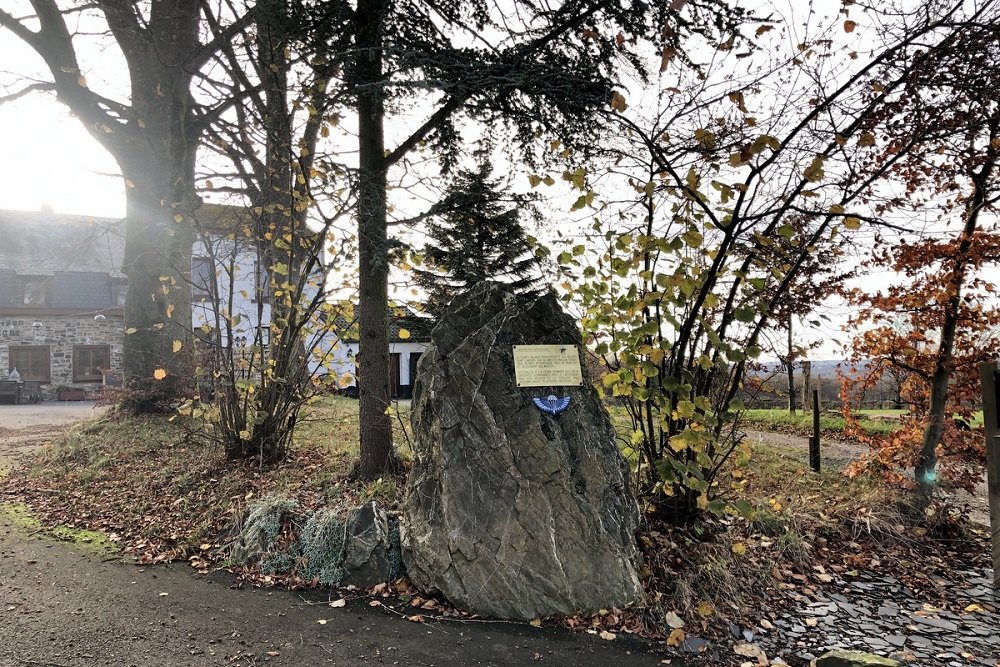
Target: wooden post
991 382
814 457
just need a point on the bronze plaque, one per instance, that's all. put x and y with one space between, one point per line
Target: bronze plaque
547 366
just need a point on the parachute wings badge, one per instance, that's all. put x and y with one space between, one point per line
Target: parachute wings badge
551 404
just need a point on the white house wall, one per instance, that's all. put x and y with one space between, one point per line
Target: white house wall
237 295
346 353
241 289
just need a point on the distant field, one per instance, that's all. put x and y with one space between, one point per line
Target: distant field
875 421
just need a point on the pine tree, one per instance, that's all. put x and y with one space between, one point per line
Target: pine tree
478 236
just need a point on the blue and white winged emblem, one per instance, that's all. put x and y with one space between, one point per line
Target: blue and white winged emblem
551 404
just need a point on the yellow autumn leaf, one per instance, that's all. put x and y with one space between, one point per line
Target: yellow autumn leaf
814 172
159 374
404 334
676 637
130 330
178 345
705 138
170 310
705 608
685 409
739 548
852 223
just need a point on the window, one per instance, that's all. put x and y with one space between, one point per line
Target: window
33 290
201 279
31 361
89 361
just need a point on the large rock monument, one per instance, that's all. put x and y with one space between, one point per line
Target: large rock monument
513 511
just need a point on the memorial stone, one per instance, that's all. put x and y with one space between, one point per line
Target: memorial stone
511 510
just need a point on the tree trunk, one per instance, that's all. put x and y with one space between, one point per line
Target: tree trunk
157 162
806 386
373 355
924 473
157 262
272 429
790 368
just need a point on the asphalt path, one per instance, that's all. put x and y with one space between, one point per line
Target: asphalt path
63 606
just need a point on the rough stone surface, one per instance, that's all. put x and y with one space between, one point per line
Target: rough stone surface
366 546
511 512
852 659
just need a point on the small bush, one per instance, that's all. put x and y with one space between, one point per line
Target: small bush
321 546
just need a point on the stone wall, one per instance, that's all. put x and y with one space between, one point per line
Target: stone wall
61 333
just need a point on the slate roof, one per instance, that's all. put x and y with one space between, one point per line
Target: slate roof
44 243
77 257
74 289
8 288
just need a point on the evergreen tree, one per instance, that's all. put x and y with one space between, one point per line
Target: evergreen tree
478 236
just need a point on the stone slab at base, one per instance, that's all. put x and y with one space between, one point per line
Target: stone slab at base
852 659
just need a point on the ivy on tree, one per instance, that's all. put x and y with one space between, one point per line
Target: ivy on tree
479 236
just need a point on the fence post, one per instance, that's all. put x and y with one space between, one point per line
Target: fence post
814 457
989 374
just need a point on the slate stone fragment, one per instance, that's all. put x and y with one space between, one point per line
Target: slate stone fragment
852 659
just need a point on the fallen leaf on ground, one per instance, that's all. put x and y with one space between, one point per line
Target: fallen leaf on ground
751 651
339 603
607 635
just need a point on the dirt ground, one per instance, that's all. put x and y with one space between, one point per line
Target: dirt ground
62 606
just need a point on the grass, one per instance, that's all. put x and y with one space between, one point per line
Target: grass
165 493
874 421
830 422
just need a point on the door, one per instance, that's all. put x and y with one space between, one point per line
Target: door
414 358
394 375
